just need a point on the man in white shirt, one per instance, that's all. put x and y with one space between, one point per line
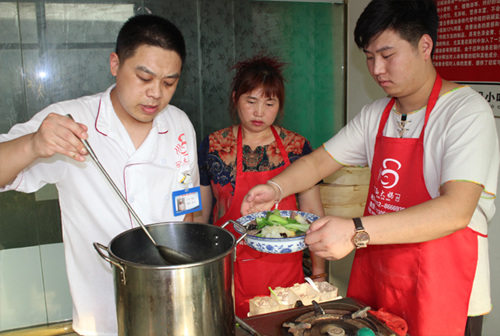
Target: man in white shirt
432 148
147 146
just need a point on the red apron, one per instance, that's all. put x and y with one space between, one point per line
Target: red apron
255 271
427 284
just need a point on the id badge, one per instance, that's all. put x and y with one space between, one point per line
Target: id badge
186 201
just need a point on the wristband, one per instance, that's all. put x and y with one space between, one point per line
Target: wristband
279 188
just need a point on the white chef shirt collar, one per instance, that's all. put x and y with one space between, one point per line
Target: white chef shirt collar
107 119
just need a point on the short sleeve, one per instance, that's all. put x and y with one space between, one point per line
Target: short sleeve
354 144
306 149
471 146
44 170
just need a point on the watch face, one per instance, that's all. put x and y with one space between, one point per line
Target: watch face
361 239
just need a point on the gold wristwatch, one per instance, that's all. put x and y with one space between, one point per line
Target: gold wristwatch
361 238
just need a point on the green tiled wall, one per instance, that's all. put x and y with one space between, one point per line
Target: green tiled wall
17 220
48 217
26 222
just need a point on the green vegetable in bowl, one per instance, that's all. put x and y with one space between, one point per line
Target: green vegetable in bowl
298 224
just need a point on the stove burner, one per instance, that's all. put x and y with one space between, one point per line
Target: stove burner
330 322
335 331
347 314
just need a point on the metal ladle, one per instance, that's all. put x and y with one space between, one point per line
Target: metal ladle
170 255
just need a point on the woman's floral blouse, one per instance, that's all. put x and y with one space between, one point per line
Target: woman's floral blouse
217 161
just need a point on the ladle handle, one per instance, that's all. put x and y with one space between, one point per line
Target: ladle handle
110 180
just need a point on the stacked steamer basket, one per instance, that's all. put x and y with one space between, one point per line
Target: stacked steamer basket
344 193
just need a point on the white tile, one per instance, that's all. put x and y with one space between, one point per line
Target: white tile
22 301
57 294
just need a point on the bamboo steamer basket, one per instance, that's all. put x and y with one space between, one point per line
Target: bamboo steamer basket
344 193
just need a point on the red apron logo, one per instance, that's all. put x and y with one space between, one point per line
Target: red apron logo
389 176
181 147
182 151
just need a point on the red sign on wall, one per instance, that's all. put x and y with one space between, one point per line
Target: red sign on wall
468 47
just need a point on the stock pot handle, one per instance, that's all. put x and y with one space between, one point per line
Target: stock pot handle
240 227
98 247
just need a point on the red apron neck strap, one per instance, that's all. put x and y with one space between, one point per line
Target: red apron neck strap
239 149
434 96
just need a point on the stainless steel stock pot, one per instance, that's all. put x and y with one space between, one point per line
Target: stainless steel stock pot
153 298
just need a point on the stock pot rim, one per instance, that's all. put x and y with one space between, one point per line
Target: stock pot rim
133 264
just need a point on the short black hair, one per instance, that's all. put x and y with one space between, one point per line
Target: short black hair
410 18
151 30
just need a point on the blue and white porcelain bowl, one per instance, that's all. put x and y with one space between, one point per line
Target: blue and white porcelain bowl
275 245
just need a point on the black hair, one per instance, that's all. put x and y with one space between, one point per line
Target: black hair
149 30
410 18
259 71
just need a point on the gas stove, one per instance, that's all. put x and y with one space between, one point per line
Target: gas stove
338 317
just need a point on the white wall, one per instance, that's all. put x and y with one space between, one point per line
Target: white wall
491 325
362 89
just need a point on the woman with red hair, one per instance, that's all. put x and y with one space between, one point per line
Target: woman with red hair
253 151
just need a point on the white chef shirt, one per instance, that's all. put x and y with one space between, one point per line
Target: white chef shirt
460 144
90 209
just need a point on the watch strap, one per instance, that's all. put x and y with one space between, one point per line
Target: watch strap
358 224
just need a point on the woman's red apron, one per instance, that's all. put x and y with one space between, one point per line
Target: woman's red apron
427 284
255 271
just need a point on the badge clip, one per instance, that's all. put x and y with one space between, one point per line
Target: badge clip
185 179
